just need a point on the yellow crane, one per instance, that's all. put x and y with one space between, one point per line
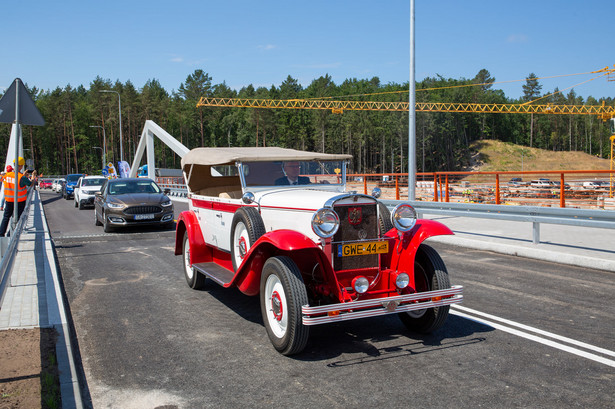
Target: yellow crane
603 111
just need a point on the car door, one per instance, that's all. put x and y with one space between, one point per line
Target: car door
99 200
77 188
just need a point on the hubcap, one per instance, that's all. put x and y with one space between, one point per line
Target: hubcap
240 242
277 317
276 306
243 247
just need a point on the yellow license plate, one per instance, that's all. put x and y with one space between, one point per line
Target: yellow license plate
362 249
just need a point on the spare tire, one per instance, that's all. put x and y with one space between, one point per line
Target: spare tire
247 227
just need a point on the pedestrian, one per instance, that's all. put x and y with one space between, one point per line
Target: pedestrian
12 182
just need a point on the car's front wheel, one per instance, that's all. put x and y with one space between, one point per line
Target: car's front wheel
247 227
282 293
106 225
430 274
194 279
96 221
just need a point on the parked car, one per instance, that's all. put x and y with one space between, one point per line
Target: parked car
313 252
592 185
69 186
542 183
516 182
85 189
132 202
45 183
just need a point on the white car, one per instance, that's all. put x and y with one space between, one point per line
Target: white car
279 223
57 185
86 188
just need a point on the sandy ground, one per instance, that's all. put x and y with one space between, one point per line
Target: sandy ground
28 369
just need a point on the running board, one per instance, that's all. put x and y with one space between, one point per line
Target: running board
214 271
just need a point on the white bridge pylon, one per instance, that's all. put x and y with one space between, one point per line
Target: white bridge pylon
150 130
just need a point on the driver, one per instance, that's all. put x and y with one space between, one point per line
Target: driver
291 172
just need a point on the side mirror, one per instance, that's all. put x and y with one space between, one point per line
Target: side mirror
248 198
167 191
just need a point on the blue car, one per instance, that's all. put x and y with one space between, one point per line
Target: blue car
69 187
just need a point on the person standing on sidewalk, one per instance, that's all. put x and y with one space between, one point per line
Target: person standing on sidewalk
12 182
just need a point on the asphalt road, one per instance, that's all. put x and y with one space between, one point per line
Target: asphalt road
146 340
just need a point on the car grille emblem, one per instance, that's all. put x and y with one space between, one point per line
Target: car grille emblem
355 215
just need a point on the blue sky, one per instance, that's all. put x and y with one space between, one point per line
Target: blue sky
260 42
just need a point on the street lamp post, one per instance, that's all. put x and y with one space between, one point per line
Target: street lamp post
104 148
119 100
102 156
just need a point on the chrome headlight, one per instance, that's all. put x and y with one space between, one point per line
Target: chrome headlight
403 217
402 280
325 223
115 205
360 284
166 203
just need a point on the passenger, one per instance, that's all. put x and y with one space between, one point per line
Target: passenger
291 170
11 183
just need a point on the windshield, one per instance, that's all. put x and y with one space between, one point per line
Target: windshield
73 178
93 182
287 173
122 188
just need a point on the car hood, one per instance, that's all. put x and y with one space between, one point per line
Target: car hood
130 199
300 199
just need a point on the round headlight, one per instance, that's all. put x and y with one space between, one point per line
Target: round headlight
403 217
360 284
402 280
325 223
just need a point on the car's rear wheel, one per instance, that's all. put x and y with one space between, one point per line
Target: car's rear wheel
247 227
429 274
194 279
282 293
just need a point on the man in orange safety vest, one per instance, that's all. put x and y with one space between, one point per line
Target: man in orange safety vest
11 183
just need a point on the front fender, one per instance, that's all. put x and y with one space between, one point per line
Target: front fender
289 242
188 224
404 248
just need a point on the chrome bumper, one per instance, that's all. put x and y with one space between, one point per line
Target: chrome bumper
380 306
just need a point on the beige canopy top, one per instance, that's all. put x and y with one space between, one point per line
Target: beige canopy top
226 156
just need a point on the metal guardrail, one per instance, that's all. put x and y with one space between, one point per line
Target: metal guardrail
9 255
567 216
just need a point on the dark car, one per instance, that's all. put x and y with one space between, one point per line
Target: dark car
132 202
69 187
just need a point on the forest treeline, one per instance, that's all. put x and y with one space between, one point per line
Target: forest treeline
72 138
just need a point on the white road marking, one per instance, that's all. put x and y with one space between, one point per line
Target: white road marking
558 345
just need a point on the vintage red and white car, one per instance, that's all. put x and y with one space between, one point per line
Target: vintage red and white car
312 251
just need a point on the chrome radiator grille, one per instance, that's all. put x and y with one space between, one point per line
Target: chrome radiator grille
357 222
